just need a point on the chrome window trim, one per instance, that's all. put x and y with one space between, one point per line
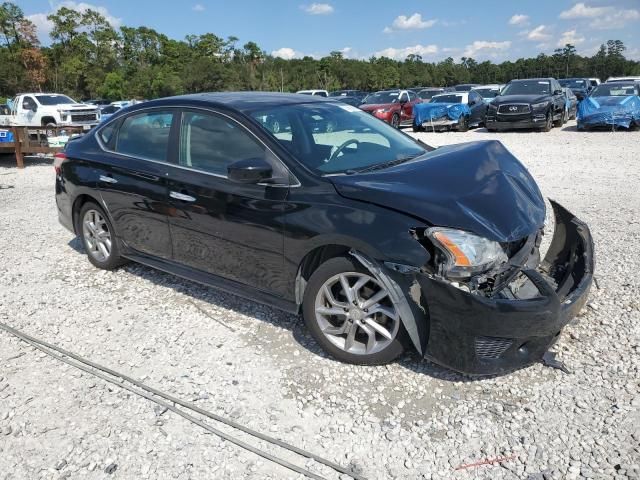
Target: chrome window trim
96 135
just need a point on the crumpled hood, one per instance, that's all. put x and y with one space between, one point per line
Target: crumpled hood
502 99
479 187
610 110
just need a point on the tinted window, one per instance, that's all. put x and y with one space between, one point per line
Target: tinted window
211 143
614 90
145 135
54 99
28 103
528 87
452 98
107 133
382 97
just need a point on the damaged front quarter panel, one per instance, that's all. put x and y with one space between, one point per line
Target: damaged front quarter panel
510 319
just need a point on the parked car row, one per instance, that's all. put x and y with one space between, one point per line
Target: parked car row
536 103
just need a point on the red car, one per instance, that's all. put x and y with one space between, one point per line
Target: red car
393 106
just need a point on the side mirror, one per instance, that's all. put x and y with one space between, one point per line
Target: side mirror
557 92
251 170
472 103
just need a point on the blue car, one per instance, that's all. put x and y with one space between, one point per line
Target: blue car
611 105
455 110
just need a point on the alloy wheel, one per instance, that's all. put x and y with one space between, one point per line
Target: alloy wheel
97 236
355 313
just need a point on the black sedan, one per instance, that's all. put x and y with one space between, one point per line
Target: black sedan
381 241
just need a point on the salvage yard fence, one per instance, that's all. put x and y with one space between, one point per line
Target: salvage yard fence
36 141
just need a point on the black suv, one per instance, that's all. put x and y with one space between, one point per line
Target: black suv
579 86
531 103
377 239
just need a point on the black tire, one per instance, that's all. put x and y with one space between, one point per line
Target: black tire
463 124
418 128
323 274
108 262
548 124
561 121
395 121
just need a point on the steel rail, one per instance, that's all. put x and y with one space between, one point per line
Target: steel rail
45 347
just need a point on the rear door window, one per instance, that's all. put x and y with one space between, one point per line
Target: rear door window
145 135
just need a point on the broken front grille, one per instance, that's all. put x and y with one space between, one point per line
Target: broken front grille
492 347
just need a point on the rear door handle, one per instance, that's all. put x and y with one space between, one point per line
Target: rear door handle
108 179
182 196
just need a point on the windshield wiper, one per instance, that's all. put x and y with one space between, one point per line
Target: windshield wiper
390 163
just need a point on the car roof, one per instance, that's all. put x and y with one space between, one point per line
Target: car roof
542 79
492 85
464 94
242 101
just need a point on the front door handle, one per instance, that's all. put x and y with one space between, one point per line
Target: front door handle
108 179
182 196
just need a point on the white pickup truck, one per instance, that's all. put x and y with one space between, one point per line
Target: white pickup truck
49 110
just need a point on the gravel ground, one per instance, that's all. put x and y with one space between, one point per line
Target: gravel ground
409 420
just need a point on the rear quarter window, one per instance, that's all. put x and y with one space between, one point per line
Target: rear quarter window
145 135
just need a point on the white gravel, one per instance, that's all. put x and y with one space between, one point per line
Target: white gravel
409 420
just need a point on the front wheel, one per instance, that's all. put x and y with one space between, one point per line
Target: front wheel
395 121
463 124
561 121
351 315
548 124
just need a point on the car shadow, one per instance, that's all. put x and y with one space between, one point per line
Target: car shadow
409 360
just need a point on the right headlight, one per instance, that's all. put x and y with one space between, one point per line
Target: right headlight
536 106
466 254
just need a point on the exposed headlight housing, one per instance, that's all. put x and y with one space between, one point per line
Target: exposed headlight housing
536 106
466 254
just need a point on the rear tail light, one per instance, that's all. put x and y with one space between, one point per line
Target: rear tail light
58 159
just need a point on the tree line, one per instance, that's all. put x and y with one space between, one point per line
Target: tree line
89 58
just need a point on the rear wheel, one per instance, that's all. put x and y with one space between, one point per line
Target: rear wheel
98 237
351 315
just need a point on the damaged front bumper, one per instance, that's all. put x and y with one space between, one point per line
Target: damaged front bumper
482 335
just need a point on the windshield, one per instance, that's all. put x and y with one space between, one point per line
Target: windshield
334 137
382 97
614 90
427 94
576 84
487 92
54 99
452 98
534 87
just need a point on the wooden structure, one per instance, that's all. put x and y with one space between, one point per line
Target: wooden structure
31 141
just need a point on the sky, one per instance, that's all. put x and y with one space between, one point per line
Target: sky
494 30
